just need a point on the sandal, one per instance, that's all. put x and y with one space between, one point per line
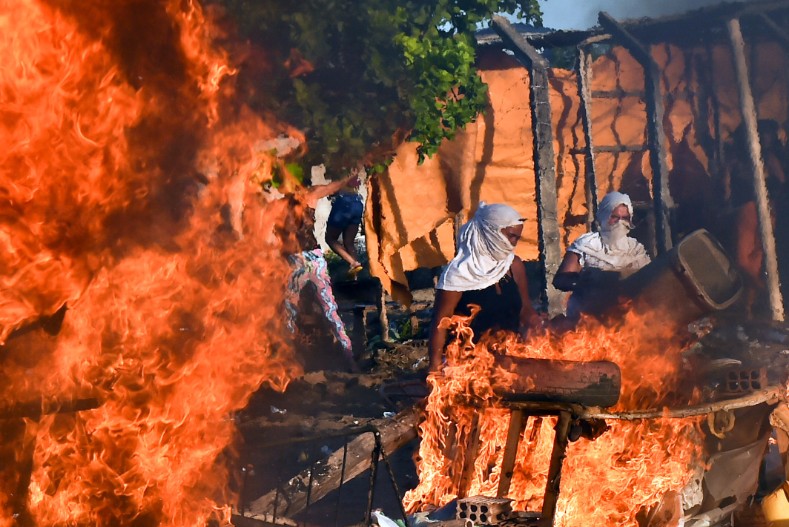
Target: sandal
355 270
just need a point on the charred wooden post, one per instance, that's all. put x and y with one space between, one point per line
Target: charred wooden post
655 135
777 31
548 387
544 157
394 433
558 454
469 457
517 420
583 65
35 409
748 109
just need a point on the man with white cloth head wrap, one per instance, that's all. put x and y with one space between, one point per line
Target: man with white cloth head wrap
609 249
487 273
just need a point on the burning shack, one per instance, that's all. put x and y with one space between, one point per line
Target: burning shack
115 409
663 110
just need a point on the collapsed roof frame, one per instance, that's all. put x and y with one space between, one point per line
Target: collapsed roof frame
704 26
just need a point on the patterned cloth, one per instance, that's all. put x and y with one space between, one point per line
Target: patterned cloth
310 267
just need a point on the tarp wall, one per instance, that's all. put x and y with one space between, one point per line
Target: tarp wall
410 217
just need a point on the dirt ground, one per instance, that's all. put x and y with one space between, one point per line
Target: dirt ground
284 433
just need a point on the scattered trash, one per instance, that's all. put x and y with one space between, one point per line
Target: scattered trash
278 411
382 520
389 415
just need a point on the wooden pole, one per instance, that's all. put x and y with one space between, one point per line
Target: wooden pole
544 157
748 109
517 419
558 454
470 453
771 395
777 31
656 137
583 65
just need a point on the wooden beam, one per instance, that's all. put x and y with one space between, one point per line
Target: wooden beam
35 409
656 137
748 109
517 419
558 454
470 453
618 93
771 395
611 149
395 433
777 31
584 76
544 157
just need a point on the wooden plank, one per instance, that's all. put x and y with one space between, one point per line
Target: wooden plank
771 395
748 109
656 137
777 31
618 93
517 420
610 149
470 453
36 409
558 454
584 79
395 433
544 158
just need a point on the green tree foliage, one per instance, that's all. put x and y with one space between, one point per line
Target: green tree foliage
360 76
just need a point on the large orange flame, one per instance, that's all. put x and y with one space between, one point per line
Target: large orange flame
128 196
607 481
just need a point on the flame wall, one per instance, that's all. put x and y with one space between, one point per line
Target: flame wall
127 195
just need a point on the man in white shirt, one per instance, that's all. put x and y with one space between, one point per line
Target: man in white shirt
597 259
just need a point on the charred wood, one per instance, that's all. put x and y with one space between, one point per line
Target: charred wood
36 409
394 433
594 383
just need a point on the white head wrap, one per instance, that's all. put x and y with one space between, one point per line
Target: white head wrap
614 236
609 203
610 248
484 252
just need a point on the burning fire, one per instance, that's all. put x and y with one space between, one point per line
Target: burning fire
128 196
607 481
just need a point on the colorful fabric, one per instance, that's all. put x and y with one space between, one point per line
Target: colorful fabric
309 267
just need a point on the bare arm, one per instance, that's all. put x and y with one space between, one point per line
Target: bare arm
443 307
567 275
528 316
321 191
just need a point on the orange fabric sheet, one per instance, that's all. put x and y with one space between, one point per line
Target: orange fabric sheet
410 219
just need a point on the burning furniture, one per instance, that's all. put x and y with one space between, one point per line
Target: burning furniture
541 388
684 438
